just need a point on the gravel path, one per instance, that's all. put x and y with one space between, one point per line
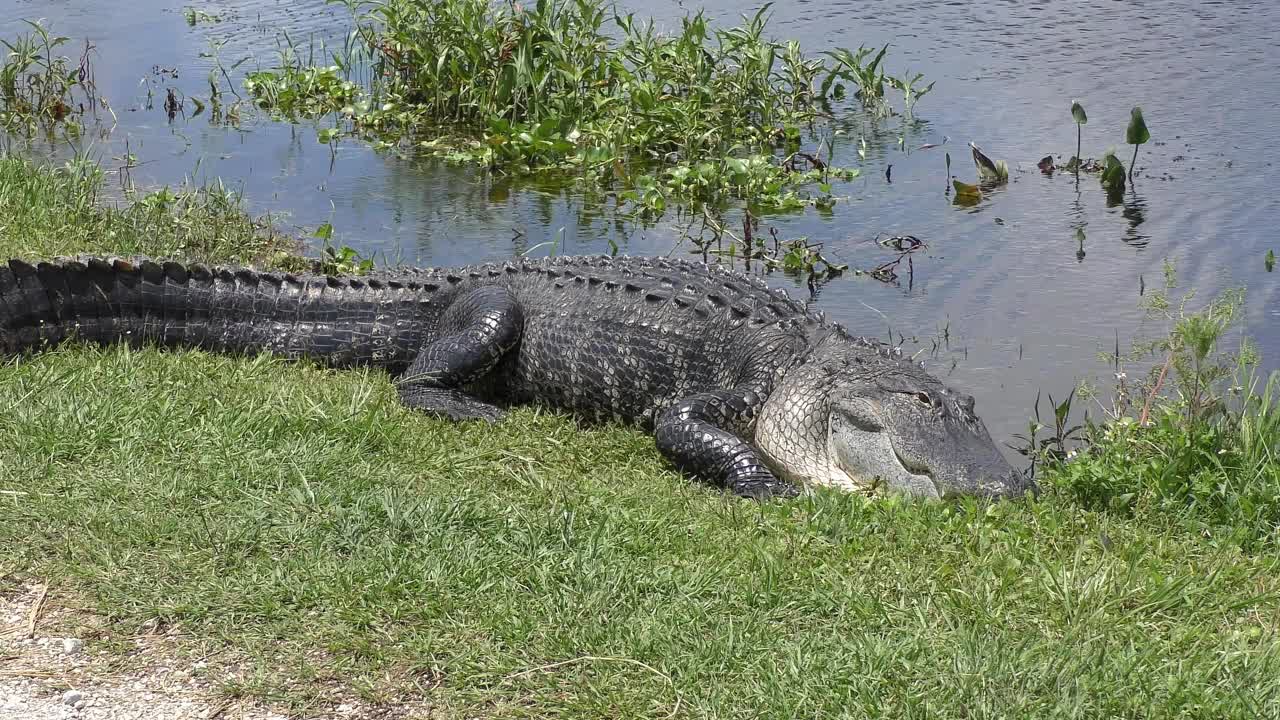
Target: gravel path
57 678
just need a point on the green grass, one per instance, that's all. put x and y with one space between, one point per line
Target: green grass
1218 476
301 520
46 212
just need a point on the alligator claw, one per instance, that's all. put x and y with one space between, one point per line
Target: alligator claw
488 414
764 488
449 404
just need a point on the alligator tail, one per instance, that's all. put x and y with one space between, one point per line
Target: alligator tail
339 321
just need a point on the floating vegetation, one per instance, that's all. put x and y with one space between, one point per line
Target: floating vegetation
761 181
991 173
298 91
797 256
1113 177
194 16
701 115
966 194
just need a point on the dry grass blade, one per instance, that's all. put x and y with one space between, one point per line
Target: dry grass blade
217 710
1155 390
34 618
28 673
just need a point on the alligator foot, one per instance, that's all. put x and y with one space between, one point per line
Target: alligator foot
763 487
449 404
694 434
479 328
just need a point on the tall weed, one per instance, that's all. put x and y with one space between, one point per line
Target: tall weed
1197 439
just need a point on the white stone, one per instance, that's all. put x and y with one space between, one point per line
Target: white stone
71 697
71 646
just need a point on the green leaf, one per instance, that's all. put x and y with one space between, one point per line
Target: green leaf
1270 261
324 232
966 194
1077 112
1137 133
987 169
1113 176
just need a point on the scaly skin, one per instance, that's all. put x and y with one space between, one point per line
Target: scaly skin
691 352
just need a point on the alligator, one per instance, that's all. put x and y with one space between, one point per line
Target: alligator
741 386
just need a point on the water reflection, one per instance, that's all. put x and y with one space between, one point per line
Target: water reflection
1134 211
1078 222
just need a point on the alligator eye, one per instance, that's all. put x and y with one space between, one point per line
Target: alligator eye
924 398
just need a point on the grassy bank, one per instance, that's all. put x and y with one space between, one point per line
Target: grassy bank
304 521
46 212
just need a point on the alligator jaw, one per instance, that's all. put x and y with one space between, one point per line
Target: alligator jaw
869 460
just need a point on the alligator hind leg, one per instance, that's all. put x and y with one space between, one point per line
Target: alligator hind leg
695 435
475 332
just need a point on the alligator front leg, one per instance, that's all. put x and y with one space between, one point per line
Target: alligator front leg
475 332
695 434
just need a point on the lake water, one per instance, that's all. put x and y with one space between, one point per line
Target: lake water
1023 310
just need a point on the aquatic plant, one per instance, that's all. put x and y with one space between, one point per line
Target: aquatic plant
966 194
298 91
1112 177
869 77
40 88
1078 114
194 16
989 171
911 94
1136 134
298 88
548 87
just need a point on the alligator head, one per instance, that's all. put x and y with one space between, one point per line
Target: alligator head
857 417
